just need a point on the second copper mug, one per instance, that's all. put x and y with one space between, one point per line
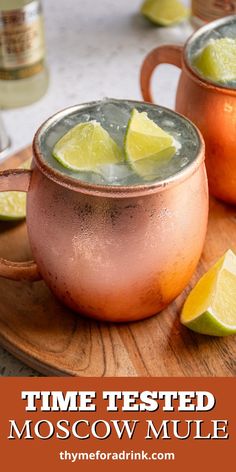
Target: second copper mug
212 107
115 253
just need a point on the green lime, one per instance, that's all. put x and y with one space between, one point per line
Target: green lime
211 306
13 204
147 146
86 147
164 12
217 60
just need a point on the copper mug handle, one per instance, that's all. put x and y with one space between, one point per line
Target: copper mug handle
168 54
17 179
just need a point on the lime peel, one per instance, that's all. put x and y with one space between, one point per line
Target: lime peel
85 147
13 204
211 306
217 60
147 146
164 12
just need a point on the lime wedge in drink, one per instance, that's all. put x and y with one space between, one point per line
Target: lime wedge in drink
217 61
147 146
13 204
211 306
86 147
164 12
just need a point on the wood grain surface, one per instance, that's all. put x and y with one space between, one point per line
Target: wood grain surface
47 336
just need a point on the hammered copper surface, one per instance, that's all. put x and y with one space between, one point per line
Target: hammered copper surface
117 259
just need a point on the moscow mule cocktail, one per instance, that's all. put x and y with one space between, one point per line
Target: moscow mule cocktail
114 116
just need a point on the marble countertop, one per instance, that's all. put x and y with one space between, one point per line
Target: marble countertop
95 50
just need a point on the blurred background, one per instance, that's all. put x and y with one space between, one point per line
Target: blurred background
95 50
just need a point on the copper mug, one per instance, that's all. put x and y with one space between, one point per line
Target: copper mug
108 252
211 107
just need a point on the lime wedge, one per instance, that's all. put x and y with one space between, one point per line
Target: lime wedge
13 204
86 147
164 12
217 61
147 146
211 306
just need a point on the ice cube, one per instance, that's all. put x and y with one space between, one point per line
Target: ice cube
208 37
115 114
168 124
85 117
228 30
115 173
176 142
184 161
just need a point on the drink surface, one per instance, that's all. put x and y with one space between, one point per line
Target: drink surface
226 28
114 116
23 75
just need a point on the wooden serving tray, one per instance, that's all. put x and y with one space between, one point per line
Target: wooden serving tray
47 336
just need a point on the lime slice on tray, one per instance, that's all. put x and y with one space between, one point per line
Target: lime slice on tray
147 146
13 204
217 61
211 306
164 12
86 147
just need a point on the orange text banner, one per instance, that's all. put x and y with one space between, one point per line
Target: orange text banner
85 424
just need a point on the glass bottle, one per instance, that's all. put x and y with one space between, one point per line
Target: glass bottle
23 72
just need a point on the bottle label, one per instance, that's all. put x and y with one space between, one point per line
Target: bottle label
22 47
212 9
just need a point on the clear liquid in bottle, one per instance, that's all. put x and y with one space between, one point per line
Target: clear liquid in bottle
23 72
